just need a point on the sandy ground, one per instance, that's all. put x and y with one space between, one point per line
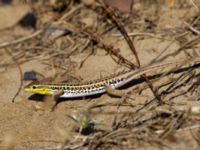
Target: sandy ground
23 126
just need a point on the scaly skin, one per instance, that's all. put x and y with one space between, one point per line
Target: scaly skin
98 86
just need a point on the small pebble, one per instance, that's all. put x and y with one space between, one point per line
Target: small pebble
30 76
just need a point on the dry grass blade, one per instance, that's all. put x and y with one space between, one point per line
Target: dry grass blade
20 40
120 26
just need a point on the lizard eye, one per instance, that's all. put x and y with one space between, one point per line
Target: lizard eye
34 87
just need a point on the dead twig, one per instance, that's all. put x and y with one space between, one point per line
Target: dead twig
121 28
184 47
21 74
192 28
20 40
195 6
108 48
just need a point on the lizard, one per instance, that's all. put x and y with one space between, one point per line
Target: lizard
99 86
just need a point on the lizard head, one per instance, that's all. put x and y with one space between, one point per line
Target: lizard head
38 89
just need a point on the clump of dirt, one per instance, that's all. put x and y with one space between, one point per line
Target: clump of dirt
79 41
